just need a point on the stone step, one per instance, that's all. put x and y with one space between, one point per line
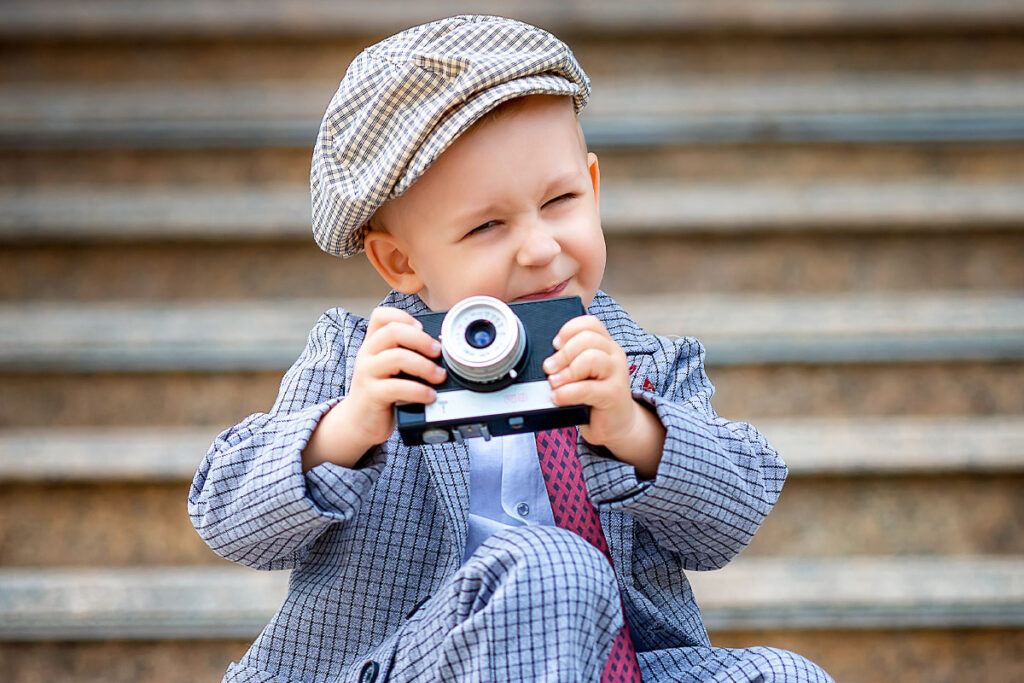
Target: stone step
989 655
904 654
123 171
65 105
812 447
40 131
608 56
750 593
215 399
921 656
121 524
89 214
137 603
119 399
862 592
118 661
894 446
778 263
90 524
830 390
896 486
80 525
679 109
738 330
24 19
100 454
926 514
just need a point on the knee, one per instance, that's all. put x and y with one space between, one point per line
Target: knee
550 551
544 590
558 562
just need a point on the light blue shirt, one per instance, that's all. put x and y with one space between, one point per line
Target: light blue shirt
506 487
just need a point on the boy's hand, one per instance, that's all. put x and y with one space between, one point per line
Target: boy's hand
590 368
395 343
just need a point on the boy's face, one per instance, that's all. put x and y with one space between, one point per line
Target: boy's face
510 210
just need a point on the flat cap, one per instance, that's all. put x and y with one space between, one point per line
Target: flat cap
404 100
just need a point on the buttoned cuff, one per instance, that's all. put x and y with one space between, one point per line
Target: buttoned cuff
340 491
611 482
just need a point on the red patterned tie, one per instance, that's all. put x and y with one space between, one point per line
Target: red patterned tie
563 476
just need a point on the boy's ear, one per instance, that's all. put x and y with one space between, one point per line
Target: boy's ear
389 258
595 176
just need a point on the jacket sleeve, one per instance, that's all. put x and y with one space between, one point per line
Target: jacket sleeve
250 500
717 480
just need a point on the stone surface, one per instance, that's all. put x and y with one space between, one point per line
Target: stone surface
115 661
971 260
928 656
97 524
932 515
132 524
746 393
874 447
200 399
253 335
148 399
893 592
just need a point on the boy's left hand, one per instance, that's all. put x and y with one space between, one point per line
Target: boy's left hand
590 368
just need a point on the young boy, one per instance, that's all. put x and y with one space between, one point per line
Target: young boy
452 155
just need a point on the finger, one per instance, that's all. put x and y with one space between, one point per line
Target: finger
382 315
395 390
593 393
576 325
589 364
581 341
399 334
391 362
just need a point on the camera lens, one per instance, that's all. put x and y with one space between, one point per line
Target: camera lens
482 341
480 334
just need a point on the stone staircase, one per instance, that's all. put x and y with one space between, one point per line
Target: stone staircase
828 194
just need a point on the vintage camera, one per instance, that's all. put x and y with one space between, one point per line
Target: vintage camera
495 386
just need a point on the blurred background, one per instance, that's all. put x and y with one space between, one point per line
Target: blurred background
828 193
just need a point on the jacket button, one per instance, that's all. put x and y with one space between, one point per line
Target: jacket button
369 672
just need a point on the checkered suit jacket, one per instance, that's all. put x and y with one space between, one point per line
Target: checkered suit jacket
367 544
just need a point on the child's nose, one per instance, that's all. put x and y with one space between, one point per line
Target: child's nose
538 247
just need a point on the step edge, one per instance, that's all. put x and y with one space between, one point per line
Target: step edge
944 446
58 622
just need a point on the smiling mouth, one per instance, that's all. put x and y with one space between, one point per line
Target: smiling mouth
547 293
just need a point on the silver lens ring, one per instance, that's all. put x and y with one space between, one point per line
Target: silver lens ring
490 362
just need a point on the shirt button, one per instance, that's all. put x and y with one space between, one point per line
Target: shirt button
369 672
523 509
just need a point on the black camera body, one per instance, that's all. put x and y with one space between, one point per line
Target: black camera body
495 384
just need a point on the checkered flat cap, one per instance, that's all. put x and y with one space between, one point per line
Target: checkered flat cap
404 100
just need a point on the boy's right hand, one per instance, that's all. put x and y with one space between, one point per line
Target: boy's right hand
395 343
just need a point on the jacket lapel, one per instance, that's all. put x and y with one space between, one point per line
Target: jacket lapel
447 464
448 467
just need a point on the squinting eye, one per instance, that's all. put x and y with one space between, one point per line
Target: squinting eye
481 228
559 198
